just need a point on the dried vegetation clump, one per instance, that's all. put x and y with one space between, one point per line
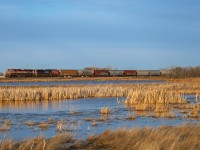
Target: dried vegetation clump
173 138
161 100
105 110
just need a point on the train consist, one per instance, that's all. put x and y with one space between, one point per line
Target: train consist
11 73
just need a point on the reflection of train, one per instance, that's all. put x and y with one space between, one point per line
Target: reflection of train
81 73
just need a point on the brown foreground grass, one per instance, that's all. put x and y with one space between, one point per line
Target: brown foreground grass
165 138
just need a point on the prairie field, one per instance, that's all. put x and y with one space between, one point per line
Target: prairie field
91 116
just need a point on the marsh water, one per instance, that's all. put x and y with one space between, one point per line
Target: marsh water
81 117
80 82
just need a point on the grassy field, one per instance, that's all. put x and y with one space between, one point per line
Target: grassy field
165 138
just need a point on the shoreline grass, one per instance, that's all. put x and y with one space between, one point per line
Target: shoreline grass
183 137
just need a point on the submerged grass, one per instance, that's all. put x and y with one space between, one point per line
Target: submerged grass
184 137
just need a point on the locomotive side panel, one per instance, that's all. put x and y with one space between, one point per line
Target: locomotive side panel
19 73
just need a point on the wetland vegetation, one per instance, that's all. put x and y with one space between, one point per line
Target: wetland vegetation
82 116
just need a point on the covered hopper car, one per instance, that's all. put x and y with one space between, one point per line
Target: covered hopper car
85 73
116 72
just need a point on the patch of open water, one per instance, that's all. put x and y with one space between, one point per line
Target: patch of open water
82 117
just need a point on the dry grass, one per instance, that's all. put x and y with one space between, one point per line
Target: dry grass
60 92
5 126
173 138
89 91
105 110
157 99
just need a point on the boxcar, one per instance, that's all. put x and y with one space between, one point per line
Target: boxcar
130 73
142 72
19 73
68 73
102 73
154 73
116 72
85 73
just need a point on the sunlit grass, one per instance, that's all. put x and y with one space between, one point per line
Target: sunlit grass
183 137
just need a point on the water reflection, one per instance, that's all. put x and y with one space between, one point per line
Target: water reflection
82 117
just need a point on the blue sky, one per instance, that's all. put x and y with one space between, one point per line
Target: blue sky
123 34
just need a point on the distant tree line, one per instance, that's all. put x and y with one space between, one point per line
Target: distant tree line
185 72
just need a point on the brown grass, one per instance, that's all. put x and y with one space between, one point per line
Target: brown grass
173 138
183 86
60 92
105 110
186 137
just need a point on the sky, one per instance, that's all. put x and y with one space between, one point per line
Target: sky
122 34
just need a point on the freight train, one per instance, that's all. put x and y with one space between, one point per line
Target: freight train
11 73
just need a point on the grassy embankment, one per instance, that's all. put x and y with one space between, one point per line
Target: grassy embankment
173 138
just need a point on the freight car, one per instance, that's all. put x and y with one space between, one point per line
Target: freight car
154 73
101 73
68 73
116 73
142 73
19 73
130 73
85 73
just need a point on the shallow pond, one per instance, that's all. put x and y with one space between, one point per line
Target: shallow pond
82 117
80 82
